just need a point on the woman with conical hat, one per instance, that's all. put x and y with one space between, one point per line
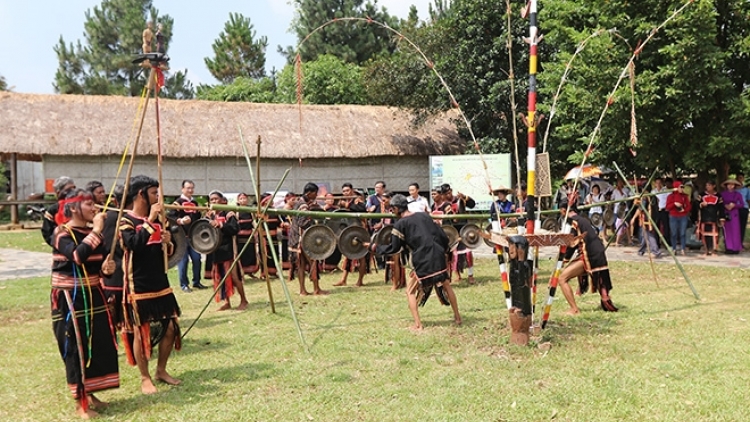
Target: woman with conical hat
732 203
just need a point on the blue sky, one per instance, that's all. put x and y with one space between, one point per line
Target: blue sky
30 28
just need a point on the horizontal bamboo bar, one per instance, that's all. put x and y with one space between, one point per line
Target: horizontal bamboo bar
373 215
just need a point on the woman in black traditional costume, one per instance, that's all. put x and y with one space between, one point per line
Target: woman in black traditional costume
151 310
224 255
248 258
80 316
427 246
711 213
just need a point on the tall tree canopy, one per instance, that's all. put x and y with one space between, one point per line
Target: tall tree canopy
353 42
689 82
102 64
236 52
466 43
261 90
327 80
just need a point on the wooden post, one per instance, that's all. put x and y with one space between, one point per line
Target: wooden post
520 275
158 169
262 238
14 188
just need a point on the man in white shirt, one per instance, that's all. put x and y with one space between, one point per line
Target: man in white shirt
417 202
662 216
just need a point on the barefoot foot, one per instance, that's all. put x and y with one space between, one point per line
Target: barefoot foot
320 292
416 328
340 283
86 414
224 307
572 312
243 306
304 293
147 386
95 403
166 378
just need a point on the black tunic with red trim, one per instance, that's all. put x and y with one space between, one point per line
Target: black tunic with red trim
148 295
426 244
591 251
113 287
248 258
86 341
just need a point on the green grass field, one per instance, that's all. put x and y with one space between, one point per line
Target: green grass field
664 357
27 240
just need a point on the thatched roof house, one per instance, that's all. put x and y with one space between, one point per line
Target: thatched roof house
84 137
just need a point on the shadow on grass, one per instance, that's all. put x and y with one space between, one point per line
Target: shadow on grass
587 324
325 328
197 386
200 345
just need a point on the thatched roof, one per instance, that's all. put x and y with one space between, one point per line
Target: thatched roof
101 125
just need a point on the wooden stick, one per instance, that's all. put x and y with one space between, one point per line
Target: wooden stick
158 168
260 218
129 173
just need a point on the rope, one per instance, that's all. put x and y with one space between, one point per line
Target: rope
133 130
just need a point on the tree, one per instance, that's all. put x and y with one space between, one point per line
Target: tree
466 42
236 52
3 84
103 64
353 41
327 80
690 80
261 90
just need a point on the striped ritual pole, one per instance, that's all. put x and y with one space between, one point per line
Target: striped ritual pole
531 120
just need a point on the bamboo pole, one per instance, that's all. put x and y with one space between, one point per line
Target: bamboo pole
259 218
279 267
664 242
129 172
159 157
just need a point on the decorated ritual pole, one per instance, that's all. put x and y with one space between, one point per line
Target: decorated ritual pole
531 120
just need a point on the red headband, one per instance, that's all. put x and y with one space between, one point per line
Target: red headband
60 217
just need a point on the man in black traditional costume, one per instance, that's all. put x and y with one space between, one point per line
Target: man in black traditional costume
151 309
427 246
353 202
591 259
463 257
113 285
224 255
301 263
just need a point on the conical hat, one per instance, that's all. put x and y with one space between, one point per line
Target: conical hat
731 181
